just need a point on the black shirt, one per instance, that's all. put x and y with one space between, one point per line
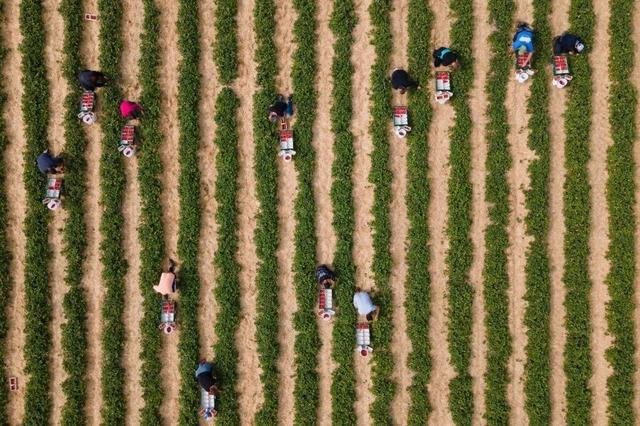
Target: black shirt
444 56
206 380
91 80
566 43
279 108
400 79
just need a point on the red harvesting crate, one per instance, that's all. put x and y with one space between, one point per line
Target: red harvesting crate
54 184
128 133
13 383
522 60
443 76
87 101
168 307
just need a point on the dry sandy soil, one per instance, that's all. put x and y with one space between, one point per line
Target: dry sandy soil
249 389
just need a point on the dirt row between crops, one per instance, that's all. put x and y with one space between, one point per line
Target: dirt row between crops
287 184
478 105
559 22
599 238
439 171
326 238
92 213
168 77
249 389
16 202
363 57
400 345
133 16
54 32
208 308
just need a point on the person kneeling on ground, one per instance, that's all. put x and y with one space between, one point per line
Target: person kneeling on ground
445 57
130 109
281 108
325 276
567 44
523 42
168 281
48 164
91 80
400 80
364 305
206 378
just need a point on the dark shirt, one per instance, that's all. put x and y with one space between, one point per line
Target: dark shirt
323 273
91 80
206 380
400 80
566 43
444 56
279 108
46 163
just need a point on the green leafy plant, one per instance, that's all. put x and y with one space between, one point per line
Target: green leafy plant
460 253
577 213
225 49
418 282
498 163
112 187
74 331
190 216
304 260
537 272
343 392
621 197
35 109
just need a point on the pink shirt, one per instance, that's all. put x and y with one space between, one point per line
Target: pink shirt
127 108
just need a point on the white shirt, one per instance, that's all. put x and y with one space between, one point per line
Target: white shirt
363 303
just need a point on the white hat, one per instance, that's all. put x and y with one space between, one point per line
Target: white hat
579 46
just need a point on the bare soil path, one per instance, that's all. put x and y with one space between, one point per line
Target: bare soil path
133 16
16 202
326 237
168 73
518 177
92 213
208 231
362 57
249 387
559 20
478 105
599 239
400 345
54 32
439 171
635 78
287 183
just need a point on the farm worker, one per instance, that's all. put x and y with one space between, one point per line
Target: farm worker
444 56
364 305
400 80
48 164
567 44
168 281
91 80
129 109
206 378
325 276
289 110
279 108
523 42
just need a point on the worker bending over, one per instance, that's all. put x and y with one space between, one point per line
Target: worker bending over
523 42
91 80
567 44
48 164
401 81
206 378
325 276
364 305
280 108
445 57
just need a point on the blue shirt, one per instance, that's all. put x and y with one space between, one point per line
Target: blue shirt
523 38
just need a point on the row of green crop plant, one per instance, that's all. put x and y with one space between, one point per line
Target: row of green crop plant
227 291
74 331
5 256
383 388
266 233
189 193
150 230
621 197
537 272
343 393
112 187
460 253
307 338
418 282
35 110
498 162
577 213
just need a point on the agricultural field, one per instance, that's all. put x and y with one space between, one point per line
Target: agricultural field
499 238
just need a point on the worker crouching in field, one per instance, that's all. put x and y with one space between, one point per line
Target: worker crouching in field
47 164
281 109
400 80
91 80
567 44
447 58
365 307
523 43
130 109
